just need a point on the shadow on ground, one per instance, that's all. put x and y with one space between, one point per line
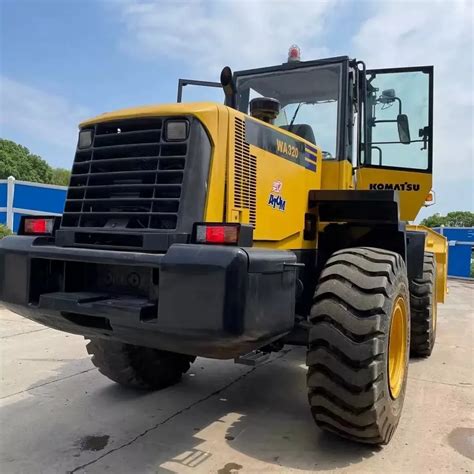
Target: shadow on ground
262 413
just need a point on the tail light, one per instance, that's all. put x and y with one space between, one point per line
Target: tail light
223 234
41 225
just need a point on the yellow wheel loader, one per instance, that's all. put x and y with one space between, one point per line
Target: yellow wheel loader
229 231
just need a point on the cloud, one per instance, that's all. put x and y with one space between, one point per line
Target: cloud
424 33
43 117
202 36
211 34
245 34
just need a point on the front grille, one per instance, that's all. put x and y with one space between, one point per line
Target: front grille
130 178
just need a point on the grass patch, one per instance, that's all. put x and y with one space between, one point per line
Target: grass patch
4 231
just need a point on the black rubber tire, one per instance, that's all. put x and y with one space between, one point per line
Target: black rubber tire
348 385
423 309
136 366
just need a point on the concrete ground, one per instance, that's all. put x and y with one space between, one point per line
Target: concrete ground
58 414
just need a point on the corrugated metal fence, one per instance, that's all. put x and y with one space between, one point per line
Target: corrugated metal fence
460 247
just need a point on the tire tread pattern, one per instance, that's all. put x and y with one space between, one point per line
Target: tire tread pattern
347 386
422 294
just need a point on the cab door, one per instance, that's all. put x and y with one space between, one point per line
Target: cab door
396 137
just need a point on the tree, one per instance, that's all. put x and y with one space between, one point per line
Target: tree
17 161
61 176
451 219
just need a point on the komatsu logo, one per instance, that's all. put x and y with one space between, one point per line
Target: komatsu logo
277 202
395 187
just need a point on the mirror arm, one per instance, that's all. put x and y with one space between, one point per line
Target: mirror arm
191 82
399 105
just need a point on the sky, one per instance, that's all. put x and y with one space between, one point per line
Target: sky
62 61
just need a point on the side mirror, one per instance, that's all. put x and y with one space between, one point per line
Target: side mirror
226 77
227 82
403 129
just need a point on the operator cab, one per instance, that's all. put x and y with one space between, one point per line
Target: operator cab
309 97
373 126
375 118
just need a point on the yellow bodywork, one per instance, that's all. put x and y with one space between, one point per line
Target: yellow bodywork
273 228
243 176
413 187
437 244
337 175
215 118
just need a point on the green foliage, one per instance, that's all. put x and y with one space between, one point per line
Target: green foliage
4 231
451 219
436 220
17 161
61 176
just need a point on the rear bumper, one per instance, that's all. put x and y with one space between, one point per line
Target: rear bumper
208 301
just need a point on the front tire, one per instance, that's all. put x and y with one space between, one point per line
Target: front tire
423 309
136 366
358 344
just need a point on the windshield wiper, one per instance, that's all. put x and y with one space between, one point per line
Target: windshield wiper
292 121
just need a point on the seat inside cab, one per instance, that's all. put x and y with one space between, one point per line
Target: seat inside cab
303 130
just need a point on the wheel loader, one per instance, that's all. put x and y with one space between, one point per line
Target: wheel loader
278 217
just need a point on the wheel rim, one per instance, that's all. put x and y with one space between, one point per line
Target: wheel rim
397 347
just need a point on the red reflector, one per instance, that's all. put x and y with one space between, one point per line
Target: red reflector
217 234
38 226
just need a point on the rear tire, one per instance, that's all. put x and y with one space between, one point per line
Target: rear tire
423 309
360 304
136 366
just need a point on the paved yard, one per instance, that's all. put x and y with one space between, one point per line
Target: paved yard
58 414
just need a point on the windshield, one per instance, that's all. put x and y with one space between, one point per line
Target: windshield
308 97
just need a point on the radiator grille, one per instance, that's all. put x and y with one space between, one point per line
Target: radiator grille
130 178
245 174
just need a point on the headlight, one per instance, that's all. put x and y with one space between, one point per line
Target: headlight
176 130
85 138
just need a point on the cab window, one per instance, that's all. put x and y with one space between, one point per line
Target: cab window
398 129
309 98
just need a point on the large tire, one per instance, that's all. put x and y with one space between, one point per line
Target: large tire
423 309
136 366
360 304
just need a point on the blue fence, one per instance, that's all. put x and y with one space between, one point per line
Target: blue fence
19 198
460 245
